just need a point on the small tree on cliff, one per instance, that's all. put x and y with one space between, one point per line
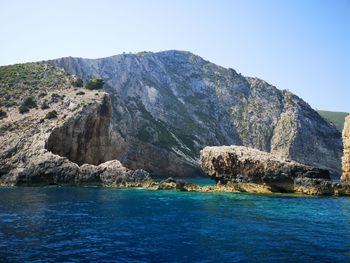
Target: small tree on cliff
95 84
77 82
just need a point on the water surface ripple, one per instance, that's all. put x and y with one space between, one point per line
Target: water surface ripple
74 224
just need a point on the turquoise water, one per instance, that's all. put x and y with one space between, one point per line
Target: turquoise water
72 224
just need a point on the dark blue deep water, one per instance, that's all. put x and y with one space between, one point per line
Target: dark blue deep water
72 224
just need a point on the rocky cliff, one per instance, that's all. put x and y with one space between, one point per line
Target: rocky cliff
54 133
346 157
88 137
238 168
169 105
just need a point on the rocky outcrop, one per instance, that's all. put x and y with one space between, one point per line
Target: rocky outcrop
74 147
112 173
88 137
346 157
174 184
169 105
238 168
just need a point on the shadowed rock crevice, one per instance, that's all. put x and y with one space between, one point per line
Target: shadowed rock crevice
87 138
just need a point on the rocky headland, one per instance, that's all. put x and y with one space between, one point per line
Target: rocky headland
53 133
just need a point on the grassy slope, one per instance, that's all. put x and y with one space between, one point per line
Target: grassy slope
335 117
30 79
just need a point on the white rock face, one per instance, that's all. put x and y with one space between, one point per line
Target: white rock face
156 96
152 94
346 157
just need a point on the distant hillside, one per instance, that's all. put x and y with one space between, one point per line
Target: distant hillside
337 118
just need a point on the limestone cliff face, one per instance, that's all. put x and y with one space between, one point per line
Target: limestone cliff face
167 106
249 170
42 150
346 157
88 137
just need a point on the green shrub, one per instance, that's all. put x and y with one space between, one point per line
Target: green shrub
80 93
95 84
42 94
45 105
9 103
51 115
29 102
78 82
3 114
23 109
55 97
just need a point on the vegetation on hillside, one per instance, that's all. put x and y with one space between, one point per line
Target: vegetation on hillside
23 109
25 86
45 105
78 82
337 118
51 115
28 80
95 84
29 102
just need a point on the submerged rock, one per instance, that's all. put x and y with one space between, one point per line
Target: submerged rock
175 184
238 168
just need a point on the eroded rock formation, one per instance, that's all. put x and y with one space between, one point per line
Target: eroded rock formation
346 156
238 168
39 150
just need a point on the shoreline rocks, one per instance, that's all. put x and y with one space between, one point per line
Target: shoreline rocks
238 168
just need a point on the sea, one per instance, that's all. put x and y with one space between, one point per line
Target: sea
100 224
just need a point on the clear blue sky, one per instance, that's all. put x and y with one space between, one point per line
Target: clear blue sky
300 45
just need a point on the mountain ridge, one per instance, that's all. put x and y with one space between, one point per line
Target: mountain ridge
168 105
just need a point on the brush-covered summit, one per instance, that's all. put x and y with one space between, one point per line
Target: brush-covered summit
169 105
